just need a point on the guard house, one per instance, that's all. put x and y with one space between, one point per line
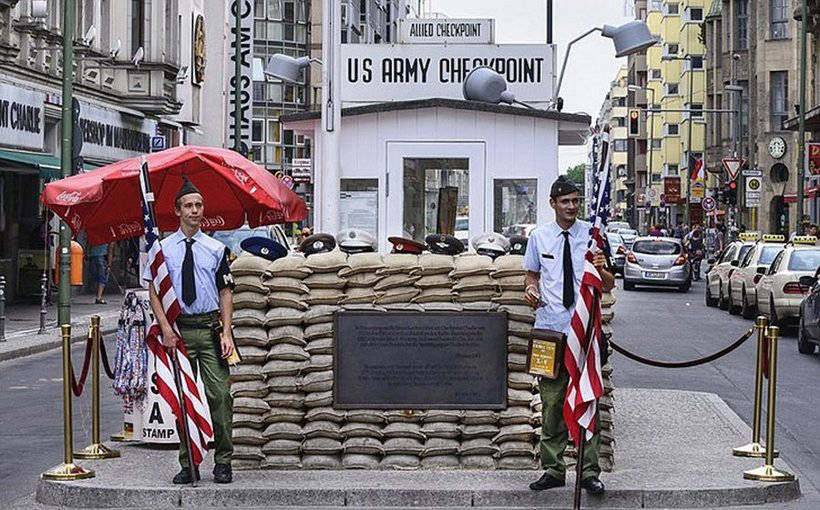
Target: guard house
422 166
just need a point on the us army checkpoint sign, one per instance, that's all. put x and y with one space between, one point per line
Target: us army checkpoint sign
375 73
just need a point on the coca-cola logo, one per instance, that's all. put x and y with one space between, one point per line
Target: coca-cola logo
241 176
76 222
69 197
129 229
271 216
212 223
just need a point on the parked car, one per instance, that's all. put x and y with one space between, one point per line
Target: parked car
614 226
721 269
657 261
808 332
629 235
618 249
779 292
742 291
462 230
233 238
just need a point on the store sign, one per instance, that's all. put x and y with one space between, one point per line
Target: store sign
698 190
374 73
110 135
301 170
446 30
245 84
22 118
753 187
671 189
813 157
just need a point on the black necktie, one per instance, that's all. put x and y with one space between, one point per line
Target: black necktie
188 285
569 274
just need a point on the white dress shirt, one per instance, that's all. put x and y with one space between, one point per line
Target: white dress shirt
545 255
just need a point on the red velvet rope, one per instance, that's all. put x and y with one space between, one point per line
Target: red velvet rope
77 388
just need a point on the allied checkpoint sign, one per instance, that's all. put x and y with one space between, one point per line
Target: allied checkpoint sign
420 360
375 73
446 30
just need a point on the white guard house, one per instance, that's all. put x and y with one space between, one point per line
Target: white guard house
412 168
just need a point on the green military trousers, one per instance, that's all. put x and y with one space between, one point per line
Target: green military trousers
205 360
554 434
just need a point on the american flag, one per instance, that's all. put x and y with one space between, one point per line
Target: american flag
197 414
582 357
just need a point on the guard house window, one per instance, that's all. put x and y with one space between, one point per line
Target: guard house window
779 99
779 18
436 197
514 206
137 24
359 205
742 24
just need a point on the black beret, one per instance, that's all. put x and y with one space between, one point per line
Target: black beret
562 186
187 188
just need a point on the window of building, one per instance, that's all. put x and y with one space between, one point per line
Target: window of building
359 205
671 169
656 143
671 129
671 89
695 62
694 14
779 86
656 178
436 197
655 5
742 26
697 110
718 126
744 110
654 74
137 25
619 146
257 130
515 205
718 42
671 9
779 18
670 49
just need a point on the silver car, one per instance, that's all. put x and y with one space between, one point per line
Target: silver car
628 235
657 261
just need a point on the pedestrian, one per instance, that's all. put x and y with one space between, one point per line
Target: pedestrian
100 257
693 242
200 275
554 262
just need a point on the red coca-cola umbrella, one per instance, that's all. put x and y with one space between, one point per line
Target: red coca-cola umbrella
106 202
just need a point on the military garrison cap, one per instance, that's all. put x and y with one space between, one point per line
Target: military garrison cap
518 245
404 245
491 244
187 188
317 243
263 247
444 244
352 240
562 186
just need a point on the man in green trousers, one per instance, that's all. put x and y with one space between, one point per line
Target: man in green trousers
201 277
554 261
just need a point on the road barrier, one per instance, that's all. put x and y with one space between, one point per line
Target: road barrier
767 472
755 449
96 450
67 470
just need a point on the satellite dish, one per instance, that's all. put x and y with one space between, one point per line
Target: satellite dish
116 49
137 58
182 74
89 36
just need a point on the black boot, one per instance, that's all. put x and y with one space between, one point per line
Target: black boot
223 473
184 476
546 481
593 485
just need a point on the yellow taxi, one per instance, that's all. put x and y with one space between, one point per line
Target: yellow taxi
779 292
722 267
742 290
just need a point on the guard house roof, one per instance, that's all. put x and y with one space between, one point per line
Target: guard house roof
573 128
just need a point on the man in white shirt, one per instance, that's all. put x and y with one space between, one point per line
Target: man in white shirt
554 262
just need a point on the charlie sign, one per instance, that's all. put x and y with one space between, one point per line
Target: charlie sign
374 73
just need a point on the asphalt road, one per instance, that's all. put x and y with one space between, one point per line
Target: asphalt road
672 326
31 417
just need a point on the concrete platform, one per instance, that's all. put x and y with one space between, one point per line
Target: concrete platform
673 451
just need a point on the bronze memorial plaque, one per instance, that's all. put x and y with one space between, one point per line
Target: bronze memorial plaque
420 360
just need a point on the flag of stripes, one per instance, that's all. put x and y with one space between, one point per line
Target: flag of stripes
197 414
582 357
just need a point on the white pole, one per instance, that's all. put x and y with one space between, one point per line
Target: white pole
328 218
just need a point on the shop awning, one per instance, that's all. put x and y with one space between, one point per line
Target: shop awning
812 121
791 198
47 164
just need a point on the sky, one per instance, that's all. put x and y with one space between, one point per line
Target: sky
591 65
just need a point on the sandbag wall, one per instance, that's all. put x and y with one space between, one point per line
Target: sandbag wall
283 389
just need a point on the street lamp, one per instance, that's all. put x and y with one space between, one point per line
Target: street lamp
485 85
636 88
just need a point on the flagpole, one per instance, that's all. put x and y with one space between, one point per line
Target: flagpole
145 184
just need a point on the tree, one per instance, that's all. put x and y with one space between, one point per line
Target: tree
576 174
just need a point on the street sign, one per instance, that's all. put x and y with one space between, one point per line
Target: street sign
287 181
708 204
732 166
157 143
300 169
752 172
753 186
698 189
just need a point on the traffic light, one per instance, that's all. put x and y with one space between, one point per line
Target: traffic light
634 126
730 193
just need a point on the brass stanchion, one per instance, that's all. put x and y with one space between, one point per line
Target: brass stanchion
67 470
755 449
96 450
768 473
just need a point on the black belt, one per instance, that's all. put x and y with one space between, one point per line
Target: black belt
202 320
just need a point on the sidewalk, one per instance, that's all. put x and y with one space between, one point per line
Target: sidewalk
23 324
673 451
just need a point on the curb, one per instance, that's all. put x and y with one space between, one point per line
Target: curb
70 494
52 343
